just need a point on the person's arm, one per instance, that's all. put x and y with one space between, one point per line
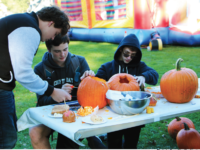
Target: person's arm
102 73
23 43
151 76
22 51
84 65
45 100
85 69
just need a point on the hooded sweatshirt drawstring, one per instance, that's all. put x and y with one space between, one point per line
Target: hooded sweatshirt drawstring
120 69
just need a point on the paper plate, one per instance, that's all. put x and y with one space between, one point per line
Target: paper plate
154 91
55 116
89 121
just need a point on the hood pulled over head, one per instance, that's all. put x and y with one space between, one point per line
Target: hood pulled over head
129 40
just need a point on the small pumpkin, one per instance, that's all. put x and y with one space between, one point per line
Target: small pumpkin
123 82
188 138
179 85
177 124
92 92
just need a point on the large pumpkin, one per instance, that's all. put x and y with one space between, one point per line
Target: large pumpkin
177 124
188 138
123 82
92 92
179 85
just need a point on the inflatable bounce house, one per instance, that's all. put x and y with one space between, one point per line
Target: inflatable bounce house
171 21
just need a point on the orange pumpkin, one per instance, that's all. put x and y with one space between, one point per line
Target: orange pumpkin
188 138
179 85
92 92
177 124
123 82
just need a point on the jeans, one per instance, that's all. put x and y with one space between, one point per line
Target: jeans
8 120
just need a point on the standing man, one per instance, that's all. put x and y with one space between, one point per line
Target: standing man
64 70
127 59
19 40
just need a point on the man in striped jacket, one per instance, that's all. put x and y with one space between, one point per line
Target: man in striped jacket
19 40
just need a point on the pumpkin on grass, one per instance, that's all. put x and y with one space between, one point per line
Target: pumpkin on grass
188 138
177 124
179 85
123 82
92 92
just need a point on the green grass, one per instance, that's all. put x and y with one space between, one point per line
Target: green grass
154 135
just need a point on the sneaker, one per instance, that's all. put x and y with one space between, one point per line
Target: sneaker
99 139
103 137
95 142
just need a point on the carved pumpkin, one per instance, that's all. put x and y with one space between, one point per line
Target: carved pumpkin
177 124
188 138
179 85
123 82
92 92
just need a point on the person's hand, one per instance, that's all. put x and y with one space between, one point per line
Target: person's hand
59 95
87 73
140 80
67 87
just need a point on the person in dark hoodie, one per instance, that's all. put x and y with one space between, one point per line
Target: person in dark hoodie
127 59
56 68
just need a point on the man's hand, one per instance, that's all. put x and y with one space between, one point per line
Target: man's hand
140 80
87 73
59 95
67 87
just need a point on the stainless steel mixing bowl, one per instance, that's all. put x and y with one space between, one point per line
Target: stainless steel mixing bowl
135 105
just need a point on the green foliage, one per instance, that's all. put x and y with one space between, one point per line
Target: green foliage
16 6
153 135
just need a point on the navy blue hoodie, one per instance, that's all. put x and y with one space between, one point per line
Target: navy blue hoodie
135 67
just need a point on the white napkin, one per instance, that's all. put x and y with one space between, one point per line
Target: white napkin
114 95
128 97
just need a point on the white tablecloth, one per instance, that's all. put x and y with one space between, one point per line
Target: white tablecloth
163 110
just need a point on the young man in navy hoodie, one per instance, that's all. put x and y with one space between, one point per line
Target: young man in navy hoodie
19 40
127 59
58 63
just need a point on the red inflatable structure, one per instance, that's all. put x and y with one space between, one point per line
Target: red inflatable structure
175 21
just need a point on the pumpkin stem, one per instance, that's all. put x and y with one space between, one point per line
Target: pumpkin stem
178 64
178 118
186 126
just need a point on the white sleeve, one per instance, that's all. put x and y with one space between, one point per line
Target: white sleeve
23 44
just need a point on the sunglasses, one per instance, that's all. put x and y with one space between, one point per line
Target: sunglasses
127 55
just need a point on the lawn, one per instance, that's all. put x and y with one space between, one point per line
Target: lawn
154 135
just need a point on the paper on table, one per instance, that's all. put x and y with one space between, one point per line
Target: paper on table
155 90
26 121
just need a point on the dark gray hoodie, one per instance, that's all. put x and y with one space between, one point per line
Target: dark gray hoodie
58 76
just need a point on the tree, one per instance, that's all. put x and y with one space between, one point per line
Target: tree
16 6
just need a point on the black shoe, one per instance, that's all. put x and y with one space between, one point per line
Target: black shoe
95 142
103 137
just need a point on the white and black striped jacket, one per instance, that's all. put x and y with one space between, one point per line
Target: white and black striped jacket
20 37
